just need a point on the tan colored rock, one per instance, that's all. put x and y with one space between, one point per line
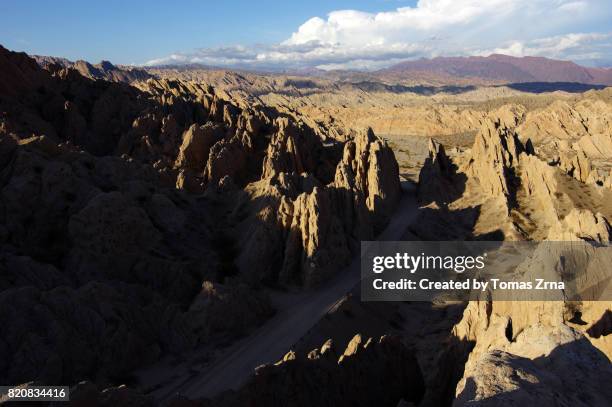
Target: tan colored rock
540 184
369 169
197 141
318 226
582 224
316 243
598 145
495 154
509 116
107 256
284 152
573 373
576 165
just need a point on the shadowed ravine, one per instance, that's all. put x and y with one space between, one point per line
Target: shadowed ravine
271 341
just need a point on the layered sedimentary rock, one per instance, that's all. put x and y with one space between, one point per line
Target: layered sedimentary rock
368 169
505 172
494 157
576 136
318 224
195 147
581 224
533 342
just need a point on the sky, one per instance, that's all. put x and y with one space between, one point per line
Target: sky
343 34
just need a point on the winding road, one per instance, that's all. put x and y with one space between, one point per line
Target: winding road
273 339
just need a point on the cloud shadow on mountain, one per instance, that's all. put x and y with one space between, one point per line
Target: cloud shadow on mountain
542 87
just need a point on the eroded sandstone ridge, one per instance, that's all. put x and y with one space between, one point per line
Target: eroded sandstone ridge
143 216
140 221
370 371
511 189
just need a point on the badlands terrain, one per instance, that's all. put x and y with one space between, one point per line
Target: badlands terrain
190 237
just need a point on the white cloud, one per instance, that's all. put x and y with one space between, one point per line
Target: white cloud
573 46
355 39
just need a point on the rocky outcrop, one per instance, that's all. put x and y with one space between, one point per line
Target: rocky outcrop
368 372
494 157
80 254
316 244
87 393
291 150
565 120
317 226
572 373
537 335
438 178
582 224
227 310
515 348
520 346
574 164
227 157
575 136
195 148
369 170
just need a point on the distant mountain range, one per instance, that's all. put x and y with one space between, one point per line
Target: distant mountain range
103 70
475 70
495 68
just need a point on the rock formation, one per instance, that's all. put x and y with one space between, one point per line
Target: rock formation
576 136
318 225
102 71
221 309
519 347
122 209
369 170
368 372
502 378
144 216
495 155
438 176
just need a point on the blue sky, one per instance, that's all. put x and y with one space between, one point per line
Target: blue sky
135 31
327 34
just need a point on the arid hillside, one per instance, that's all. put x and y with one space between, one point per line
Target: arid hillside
191 237
496 68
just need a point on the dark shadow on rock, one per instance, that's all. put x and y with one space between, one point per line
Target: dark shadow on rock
370 86
372 372
542 87
450 364
603 327
439 179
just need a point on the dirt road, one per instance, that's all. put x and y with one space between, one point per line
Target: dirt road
272 340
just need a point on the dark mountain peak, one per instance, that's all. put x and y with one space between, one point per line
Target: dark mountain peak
498 68
106 65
